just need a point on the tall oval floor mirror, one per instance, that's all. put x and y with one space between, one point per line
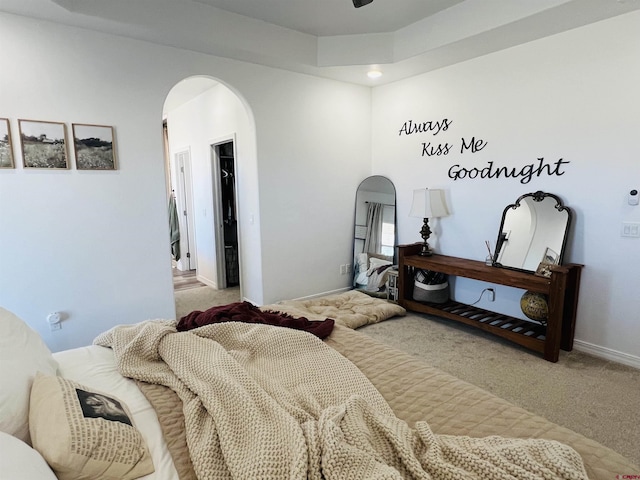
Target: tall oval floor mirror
374 242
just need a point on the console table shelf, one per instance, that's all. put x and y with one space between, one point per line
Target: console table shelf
561 288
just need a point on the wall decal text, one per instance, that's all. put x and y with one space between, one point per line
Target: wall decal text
429 150
411 127
474 145
526 173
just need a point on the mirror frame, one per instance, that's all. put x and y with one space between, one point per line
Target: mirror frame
395 220
538 196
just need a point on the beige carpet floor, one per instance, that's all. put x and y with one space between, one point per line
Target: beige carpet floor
201 298
594 397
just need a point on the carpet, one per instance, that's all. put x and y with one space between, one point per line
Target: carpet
202 298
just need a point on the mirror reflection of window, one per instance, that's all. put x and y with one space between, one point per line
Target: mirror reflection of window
388 235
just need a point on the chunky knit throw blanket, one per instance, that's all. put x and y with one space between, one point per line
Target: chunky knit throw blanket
265 402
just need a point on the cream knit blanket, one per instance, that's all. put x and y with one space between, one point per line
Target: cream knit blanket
263 402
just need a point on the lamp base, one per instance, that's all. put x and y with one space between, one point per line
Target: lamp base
425 252
425 233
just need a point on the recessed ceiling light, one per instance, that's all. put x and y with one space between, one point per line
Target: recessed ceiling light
374 74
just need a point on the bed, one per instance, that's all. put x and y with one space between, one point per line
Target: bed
405 393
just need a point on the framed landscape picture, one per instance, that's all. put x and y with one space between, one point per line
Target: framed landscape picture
6 150
44 144
94 146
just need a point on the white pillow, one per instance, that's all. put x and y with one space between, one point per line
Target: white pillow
362 262
375 263
21 462
22 354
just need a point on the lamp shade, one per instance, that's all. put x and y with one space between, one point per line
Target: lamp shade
429 204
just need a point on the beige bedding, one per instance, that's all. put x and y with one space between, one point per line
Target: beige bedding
352 309
331 418
415 392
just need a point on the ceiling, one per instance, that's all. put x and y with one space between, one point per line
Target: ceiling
324 18
331 38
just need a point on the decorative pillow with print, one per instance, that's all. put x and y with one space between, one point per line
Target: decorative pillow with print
83 433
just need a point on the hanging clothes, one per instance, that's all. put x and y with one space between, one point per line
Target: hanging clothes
174 228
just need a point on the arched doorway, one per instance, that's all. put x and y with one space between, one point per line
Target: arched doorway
204 121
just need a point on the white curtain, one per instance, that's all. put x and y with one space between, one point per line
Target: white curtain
373 238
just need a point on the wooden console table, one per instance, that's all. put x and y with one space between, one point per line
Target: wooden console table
562 290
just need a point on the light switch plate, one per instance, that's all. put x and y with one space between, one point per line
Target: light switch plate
630 229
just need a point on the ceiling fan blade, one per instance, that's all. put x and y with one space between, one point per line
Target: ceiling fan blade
360 3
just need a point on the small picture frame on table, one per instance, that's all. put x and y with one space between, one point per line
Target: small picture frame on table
94 147
549 259
6 148
44 144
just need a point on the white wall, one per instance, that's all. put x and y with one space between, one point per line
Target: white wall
314 145
573 96
95 245
92 245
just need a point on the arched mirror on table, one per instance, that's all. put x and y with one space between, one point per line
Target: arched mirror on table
374 243
533 233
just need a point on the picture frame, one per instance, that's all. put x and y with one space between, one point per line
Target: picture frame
6 147
43 144
94 147
549 259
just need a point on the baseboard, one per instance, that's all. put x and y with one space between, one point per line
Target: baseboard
332 292
607 353
315 295
206 281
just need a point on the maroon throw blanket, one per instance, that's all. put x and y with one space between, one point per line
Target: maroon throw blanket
249 313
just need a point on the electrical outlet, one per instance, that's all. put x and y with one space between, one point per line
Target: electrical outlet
348 268
491 294
343 269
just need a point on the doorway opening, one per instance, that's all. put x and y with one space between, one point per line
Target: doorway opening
225 206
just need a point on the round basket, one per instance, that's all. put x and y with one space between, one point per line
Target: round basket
431 287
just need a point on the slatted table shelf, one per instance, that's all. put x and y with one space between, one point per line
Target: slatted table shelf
561 288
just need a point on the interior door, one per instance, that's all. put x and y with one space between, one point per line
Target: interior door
184 198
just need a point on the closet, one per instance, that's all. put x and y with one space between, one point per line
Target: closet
227 196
